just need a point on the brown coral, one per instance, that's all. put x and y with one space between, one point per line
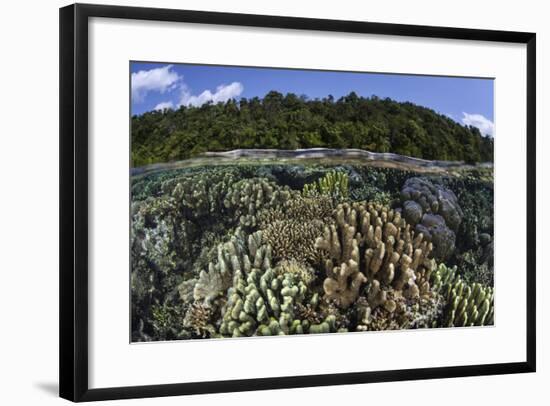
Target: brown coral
197 319
370 242
291 230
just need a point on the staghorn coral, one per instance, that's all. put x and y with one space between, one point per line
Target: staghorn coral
373 243
397 312
294 240
334 184
292 228
300 209
302 272
198 320
467 304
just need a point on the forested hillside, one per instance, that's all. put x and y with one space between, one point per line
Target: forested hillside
290 122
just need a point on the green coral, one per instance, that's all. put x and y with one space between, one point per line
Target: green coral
241 253
334 184
467 304
262 303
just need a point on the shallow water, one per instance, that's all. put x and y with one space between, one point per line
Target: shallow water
315 156
190 217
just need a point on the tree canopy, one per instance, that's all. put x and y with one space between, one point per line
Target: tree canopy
291 121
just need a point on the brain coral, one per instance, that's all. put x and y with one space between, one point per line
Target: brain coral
435 212
432 198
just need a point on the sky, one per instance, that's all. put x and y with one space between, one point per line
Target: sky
155 86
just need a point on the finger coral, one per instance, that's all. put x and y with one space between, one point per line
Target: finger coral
334 184
373 243
241 253
262 303
467 304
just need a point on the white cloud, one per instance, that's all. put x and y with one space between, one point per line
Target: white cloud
158 79
164 105
485 126
222 94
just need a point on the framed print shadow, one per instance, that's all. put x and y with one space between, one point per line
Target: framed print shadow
237 214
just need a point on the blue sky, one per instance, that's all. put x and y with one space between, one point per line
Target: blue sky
161 85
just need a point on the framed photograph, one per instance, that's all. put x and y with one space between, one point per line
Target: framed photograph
257 202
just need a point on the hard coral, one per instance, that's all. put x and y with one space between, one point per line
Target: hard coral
373 243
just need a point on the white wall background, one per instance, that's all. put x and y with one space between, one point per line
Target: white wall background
29 207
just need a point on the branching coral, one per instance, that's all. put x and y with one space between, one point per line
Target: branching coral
294 240
246 197
201 194
262 303
334 184
301 271
292 228
266 300
197 320
467 304
397 312
240 253
372 243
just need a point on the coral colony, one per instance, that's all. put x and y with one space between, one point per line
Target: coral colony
246 249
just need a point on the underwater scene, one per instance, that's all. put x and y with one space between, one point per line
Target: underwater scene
379 218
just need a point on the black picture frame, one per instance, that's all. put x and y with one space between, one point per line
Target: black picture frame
73 254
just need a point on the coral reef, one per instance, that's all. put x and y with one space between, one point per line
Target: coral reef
301 271
243 250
